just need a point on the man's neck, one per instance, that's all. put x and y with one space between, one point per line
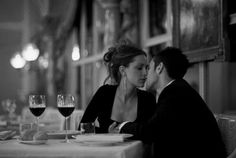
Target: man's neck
164 82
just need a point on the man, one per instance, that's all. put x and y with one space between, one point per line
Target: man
182 126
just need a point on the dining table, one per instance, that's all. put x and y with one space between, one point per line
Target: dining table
13 148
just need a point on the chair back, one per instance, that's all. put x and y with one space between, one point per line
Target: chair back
75 119
227 126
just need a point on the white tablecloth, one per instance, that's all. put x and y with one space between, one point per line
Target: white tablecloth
55 148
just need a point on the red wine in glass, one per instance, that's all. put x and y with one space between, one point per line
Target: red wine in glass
66 111
37 111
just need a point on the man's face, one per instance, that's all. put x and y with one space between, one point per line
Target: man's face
152 78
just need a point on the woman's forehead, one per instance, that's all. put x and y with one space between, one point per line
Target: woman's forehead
140 58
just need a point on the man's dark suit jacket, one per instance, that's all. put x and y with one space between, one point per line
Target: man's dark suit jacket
183 126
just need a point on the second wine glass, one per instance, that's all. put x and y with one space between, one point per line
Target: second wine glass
37 105
66 105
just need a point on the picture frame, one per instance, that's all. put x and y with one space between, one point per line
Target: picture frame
199 29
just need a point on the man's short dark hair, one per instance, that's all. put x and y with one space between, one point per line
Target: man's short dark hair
175 62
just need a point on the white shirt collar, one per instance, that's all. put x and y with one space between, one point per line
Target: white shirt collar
157 94
169 83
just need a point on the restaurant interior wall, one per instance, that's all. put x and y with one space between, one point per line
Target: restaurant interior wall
220 84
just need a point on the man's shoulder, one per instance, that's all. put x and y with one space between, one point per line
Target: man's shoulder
179 84
180 89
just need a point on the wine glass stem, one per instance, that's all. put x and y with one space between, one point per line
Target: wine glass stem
37 119
66 129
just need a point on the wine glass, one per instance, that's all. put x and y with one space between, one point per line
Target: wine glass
66 105
37 105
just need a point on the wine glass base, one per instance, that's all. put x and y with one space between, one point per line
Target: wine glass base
66 141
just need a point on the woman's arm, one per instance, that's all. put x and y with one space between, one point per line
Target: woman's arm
92 109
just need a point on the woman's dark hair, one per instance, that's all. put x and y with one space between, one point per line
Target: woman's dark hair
119 55
174 60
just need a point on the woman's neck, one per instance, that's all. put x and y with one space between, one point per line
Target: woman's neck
126 93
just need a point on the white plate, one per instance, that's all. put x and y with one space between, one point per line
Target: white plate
61 134
32 142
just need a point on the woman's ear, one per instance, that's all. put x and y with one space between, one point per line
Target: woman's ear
122 70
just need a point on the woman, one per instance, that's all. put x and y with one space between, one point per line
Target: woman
122 100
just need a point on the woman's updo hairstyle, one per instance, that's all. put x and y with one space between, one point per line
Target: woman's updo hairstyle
119 55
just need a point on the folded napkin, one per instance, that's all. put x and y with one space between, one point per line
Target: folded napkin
103 137
7 134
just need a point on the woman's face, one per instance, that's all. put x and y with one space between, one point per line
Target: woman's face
136 72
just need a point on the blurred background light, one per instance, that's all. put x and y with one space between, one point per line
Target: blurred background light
17 61
30 52
43 61
75 53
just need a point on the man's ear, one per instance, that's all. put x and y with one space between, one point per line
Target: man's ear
159 68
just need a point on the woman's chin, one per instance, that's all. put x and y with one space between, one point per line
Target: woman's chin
141 85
